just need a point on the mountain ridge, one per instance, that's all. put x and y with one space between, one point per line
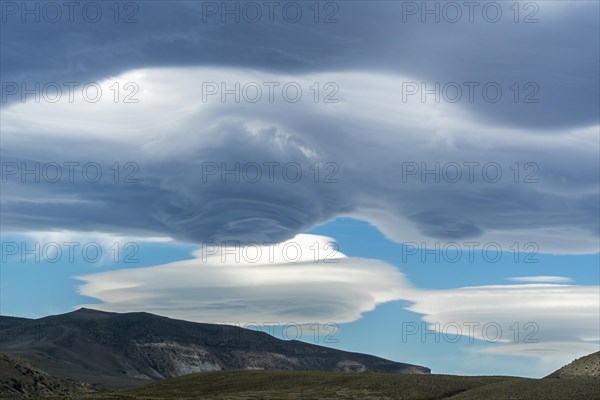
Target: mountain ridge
120 350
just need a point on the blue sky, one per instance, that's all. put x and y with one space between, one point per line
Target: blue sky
173 135
25 292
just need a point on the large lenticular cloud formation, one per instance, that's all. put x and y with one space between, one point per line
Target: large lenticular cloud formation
362 140
200 168
301 280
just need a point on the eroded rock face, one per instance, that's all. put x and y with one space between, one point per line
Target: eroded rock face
160 360
350 366
265 360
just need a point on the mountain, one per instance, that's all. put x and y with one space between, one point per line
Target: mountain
584 367
113 350
19 378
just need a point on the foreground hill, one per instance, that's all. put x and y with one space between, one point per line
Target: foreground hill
112 350
19 378
584 367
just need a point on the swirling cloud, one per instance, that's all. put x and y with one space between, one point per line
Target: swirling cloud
418 171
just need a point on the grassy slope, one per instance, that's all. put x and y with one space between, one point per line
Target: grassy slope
246 385
536 389
312 385
271 385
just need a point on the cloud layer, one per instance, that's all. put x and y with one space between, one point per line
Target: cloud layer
305 280
302 280
368 36
366 156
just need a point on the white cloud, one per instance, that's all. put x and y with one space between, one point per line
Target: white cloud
323 285
542 279
547 321
541 320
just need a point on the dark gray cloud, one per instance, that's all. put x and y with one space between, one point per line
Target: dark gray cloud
363 148
369 137
559 53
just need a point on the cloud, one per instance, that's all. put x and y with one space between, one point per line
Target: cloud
367 156
551 323
368 37
302 280
542 279
365 149
306 280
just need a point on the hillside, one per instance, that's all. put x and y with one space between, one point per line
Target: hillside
19 378
114 351
584 367
535 389
293 385
267 385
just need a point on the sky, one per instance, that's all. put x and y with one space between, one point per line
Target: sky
414 180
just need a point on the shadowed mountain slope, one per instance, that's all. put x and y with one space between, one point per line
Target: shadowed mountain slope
113 350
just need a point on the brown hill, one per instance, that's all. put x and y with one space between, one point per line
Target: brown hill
584 367
19 378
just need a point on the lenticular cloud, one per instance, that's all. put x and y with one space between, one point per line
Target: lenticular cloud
200 166
302 280
306 280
